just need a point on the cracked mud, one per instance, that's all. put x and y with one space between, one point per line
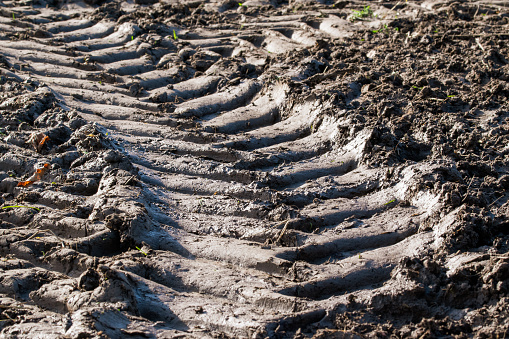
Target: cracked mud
273 169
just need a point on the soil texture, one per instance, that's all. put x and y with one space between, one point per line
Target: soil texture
263 169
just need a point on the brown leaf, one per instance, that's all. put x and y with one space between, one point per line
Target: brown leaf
39 172
37 140
25 183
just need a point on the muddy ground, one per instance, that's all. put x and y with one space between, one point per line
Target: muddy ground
201 169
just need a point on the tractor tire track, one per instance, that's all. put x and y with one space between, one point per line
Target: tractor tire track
218 179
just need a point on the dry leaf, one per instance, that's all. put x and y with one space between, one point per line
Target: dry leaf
39 172
37 140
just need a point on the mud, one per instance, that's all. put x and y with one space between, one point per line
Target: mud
302 169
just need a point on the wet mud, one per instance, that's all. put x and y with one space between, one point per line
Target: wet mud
266 169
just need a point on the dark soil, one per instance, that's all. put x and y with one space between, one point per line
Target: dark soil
301 169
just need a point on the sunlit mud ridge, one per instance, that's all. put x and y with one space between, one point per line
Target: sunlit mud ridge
263 169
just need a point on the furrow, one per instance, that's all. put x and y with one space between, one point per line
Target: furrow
360 270
295 126
217 102
97 31
67 26
185 90
103 98
123 34
262 111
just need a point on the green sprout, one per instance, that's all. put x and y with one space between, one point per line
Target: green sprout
385 29
139 249
175 37
396 29
132 37
416 87
240 3
451 96
365 13
390 202
13 16
21 206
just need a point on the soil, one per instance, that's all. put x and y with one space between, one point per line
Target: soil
266 169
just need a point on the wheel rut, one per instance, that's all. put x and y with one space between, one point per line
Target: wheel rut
205 179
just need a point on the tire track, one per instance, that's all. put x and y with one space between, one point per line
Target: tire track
198 189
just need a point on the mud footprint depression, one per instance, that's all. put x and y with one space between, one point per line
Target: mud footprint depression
302 169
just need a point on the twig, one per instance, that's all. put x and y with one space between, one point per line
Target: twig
283 231
468 37
33 235
396 5
466 193
281 223
495 201
50 231
479 44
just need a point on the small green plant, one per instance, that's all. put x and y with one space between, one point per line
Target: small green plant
416 87
175 37
240 3
359 15
13 16
132 37
139 249
451 96
385 29
390 202
396 29
21 206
